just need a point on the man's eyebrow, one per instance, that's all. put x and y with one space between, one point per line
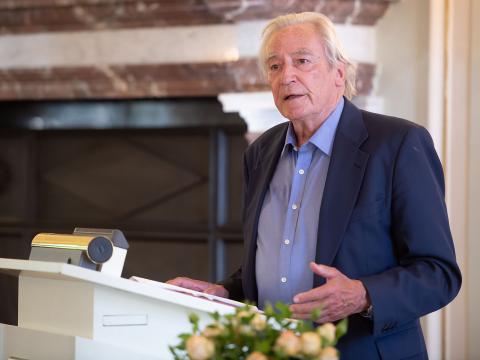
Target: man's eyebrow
272 57
303 51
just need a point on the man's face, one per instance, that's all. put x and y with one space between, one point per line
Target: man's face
304 86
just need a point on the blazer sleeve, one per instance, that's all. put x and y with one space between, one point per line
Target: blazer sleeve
233 284
427 276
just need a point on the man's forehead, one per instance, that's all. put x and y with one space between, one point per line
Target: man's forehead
296 52
299 38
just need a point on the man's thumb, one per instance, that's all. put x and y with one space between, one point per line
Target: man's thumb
324 271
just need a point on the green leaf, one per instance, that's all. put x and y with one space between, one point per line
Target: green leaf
283 310
174 353
304 326
342 328
184 336
236 342
269 311
263 346
215 316
316 314
193 318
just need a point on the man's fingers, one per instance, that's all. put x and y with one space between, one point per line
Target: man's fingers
316 294
177 281
327 314
324 271
339 297
306 308
301 316
321 292
191 284
217 290
322 319
199 285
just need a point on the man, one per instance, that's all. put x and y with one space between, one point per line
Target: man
344 209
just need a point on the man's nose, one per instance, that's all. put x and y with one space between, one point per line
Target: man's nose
288 74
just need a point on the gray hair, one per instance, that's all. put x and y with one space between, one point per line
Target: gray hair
334 51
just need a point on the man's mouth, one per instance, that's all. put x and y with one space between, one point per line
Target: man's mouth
292 97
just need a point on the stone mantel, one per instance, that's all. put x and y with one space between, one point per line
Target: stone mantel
31 16
144 81
127 49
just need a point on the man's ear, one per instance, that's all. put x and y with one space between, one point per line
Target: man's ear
340 75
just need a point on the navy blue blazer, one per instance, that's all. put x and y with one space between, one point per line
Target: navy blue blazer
383 220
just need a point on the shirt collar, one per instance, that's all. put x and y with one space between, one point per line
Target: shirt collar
325 134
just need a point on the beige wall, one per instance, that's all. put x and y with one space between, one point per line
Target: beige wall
473 262
462 149
402 52
406 70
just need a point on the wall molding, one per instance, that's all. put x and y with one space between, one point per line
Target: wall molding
144 81
27 16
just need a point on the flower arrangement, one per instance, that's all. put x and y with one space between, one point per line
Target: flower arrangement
250 335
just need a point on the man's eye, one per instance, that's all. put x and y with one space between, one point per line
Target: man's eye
303 61
274 67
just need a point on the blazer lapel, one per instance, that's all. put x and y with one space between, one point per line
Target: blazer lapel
345 175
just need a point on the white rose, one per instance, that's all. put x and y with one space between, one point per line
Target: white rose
256 356
328 353
213 331
245 330
244 313
288 343
200 348
311 343
237 320
327 331
258 322
242 328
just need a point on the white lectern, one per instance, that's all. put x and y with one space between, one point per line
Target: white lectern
68 312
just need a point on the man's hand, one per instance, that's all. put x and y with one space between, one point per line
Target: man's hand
199 285
338 298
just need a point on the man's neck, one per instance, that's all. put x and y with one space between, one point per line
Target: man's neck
305 128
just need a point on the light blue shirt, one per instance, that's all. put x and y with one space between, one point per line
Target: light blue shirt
287 229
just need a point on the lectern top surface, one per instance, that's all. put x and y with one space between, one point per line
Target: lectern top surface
60 271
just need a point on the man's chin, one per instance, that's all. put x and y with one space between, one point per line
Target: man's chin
292 114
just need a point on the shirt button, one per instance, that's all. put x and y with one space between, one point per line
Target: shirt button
301 171
286 241
294 206
283 279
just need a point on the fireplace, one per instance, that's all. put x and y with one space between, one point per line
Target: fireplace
166 172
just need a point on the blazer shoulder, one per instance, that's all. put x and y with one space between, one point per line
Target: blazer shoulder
266 138
386 122
385 126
